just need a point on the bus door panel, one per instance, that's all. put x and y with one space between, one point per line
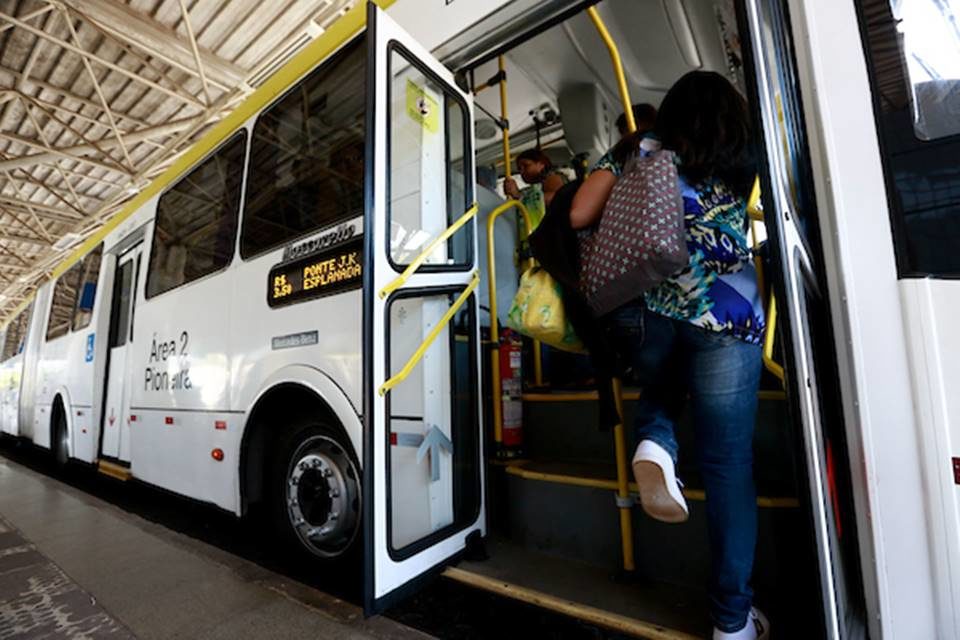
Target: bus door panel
423 458
115 422
804 326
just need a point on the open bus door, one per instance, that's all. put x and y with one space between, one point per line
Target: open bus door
811 375
423 455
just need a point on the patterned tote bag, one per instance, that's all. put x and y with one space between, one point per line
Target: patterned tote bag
640 239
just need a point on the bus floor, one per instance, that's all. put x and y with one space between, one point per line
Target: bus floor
75 565
637 607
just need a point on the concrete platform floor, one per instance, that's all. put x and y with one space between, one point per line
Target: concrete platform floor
74 566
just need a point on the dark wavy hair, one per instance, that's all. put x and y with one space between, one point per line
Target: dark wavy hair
536 155
706 122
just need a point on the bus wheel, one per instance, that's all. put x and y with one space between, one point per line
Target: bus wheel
60 442
319 491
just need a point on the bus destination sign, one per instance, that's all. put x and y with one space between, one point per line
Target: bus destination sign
320 274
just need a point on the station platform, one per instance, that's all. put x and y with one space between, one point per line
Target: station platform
72 565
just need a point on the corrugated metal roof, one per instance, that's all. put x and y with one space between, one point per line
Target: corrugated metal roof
97 97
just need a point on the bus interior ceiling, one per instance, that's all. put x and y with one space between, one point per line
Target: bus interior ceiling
554 526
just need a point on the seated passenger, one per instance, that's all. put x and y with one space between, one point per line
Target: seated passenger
698 334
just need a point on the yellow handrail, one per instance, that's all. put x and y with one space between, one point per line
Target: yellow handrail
422 349
504 121
754 207
755 215
415 264
772 365
494 319
617 68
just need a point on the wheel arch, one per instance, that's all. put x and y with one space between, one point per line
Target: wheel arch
61 402
290 392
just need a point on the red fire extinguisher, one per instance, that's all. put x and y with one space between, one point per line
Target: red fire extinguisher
511 394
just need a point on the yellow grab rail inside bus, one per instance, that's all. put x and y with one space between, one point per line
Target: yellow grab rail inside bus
755 215
417 262
422 349
494 319
617 67
772 365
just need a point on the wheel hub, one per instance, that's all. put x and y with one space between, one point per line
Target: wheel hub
322 493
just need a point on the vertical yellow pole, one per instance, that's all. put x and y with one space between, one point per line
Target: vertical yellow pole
507 172
620 440
504 118
623 483
497 391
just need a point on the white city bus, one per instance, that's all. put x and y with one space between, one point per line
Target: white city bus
274 322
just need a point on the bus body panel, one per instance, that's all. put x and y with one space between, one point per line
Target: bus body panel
930 307
329 328
61 372
11 373
872 358
31 353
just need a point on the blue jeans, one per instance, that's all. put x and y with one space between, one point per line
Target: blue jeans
721 374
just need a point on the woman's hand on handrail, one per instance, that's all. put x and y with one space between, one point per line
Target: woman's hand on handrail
590 198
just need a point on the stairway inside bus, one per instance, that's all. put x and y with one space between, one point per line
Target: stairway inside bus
551 534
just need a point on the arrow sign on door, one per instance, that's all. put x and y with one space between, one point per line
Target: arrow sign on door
433 442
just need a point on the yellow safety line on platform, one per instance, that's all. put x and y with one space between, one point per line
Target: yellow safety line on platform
417 262
422 349
697 495
593 615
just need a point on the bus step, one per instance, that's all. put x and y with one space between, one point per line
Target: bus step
642 609
604 477
629 395
114 470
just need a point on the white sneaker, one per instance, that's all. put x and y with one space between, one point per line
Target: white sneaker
757 628
656 478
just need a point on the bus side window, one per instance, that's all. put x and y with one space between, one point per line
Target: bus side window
307 156
88 289
196 225
64 299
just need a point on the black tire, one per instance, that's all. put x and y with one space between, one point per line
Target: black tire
59 444
314 493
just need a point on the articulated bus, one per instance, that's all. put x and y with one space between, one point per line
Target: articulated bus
291 316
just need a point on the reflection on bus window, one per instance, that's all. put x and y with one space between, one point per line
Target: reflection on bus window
922 174
196 225
90 271
62 304
307 156
427 142
930 38
16 331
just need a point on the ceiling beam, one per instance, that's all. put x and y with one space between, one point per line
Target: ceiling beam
158 40
83 53
81 150
35 242
42 210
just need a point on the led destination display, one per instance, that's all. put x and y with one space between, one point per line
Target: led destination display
320 274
